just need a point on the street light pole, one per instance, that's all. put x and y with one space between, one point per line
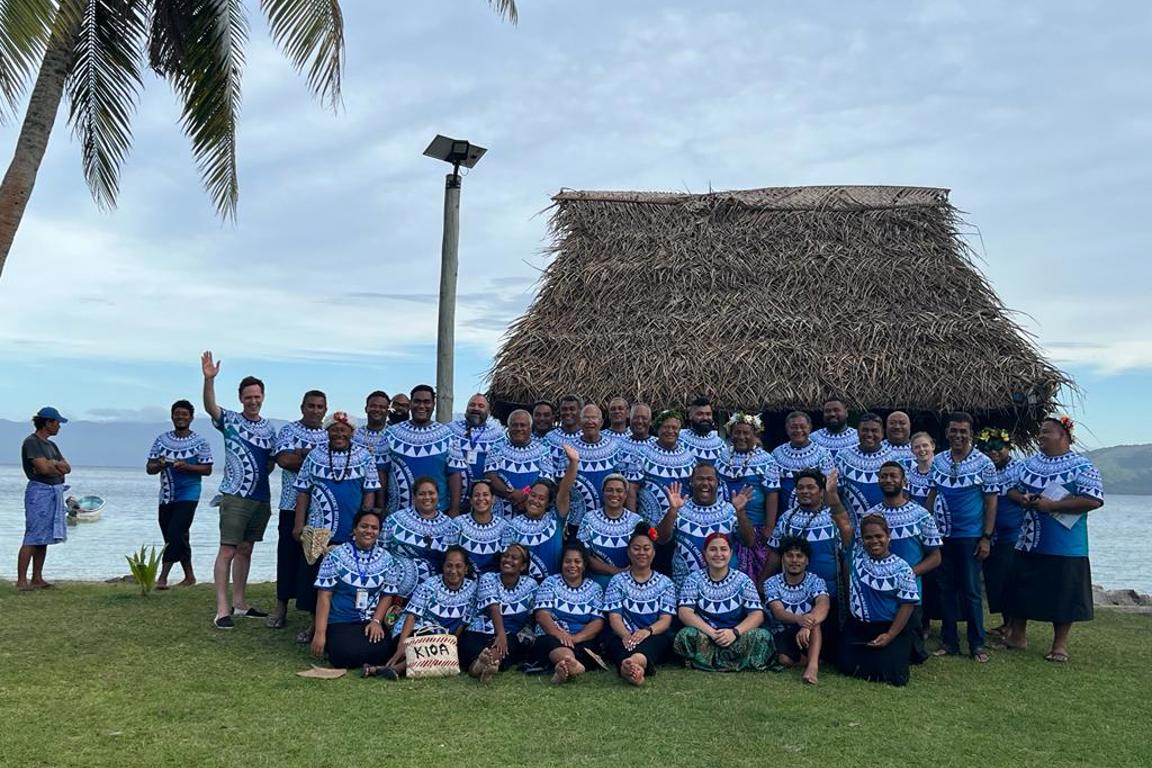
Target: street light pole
449 268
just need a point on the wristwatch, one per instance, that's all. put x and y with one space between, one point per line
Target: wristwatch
986 536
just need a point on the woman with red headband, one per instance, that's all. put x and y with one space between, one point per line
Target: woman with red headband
722 614
640 604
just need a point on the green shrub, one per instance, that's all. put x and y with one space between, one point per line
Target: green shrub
145 565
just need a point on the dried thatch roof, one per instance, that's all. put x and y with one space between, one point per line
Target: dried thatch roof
772 298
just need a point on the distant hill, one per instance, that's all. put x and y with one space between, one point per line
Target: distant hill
1125 468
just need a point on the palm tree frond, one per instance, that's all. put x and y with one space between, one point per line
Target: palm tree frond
203 58
102 89
25 26
311 35
506 9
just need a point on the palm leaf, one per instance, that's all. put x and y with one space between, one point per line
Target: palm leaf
506 9
198 45
25 26
102 89
311 35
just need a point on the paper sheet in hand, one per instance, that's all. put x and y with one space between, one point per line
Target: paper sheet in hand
1055 491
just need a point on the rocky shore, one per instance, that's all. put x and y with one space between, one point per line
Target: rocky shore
1127 600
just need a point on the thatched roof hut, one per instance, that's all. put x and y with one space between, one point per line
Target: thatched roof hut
771 299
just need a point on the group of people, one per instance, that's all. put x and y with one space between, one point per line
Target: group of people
563 541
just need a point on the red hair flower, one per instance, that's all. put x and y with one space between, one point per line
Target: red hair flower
653 534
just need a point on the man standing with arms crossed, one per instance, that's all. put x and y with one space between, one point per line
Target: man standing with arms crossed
245 506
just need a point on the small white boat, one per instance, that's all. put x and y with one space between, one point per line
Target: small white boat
86 509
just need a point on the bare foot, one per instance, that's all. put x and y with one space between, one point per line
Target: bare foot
560 675
41 584
161 585
575 668
786 660
24 586
187 582
489 666
632 672
809 676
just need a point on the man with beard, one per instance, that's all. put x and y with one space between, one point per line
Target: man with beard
543 419
835 435
421 447
965 481
294 442
600 456
617 418
859 467
400 410
474 437
515 465
569 429
700 436
898 434
914 537
370 436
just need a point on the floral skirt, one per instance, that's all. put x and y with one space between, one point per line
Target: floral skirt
752 650
751 559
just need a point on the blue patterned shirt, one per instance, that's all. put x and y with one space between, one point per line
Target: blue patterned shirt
483 541
640 604
336 482
835 442
790 460
877 588
190 449
607 538
474 447
901 453
707 449
859 478
439 608
544 538
918 485
961 488
572 609
1047 534
597 461
516 604
755 469
721 604
418 450
348 570
1009 514
247 454
796 599
654 469
695 523
294 436
518 466
823 536
424 540
373 440
914 532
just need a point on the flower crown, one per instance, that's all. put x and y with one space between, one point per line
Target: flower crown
751 419
1065 421
990 435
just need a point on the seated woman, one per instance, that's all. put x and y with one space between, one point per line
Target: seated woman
421 532
503 607
355 587
605 531
876 644
541 528
569 617
799 604
722 614
482 535
441 605
640 604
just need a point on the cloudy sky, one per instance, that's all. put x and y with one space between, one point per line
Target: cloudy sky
1036 115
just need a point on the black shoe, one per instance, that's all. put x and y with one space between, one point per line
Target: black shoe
250 613
223 622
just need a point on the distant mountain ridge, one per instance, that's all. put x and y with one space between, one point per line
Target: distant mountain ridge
1126 469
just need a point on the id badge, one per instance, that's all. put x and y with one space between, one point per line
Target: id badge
470 456
361 599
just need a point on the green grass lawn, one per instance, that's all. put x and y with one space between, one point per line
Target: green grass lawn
94 675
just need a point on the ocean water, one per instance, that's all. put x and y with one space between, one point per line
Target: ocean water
1119 532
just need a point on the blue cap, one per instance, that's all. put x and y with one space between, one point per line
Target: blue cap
48 412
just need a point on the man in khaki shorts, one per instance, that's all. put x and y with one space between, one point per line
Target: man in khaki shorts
245 505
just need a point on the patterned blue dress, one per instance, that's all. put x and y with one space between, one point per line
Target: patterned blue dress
835 442
597 461
654 469
248 453
859 478
607 538
423 540
336 482
191 449
294 436
544 538
416 450
797 599
439 609
961 487
790 460
707 449
483 541
572 609
695 523
519 466
823 536
516 604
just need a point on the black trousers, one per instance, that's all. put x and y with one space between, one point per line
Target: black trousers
289 557
655 649
349 648
175 522
472 643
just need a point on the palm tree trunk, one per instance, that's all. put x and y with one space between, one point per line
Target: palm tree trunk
33 139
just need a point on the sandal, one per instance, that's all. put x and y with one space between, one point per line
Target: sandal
980 656
304 636
1057 657
275 622
946 652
